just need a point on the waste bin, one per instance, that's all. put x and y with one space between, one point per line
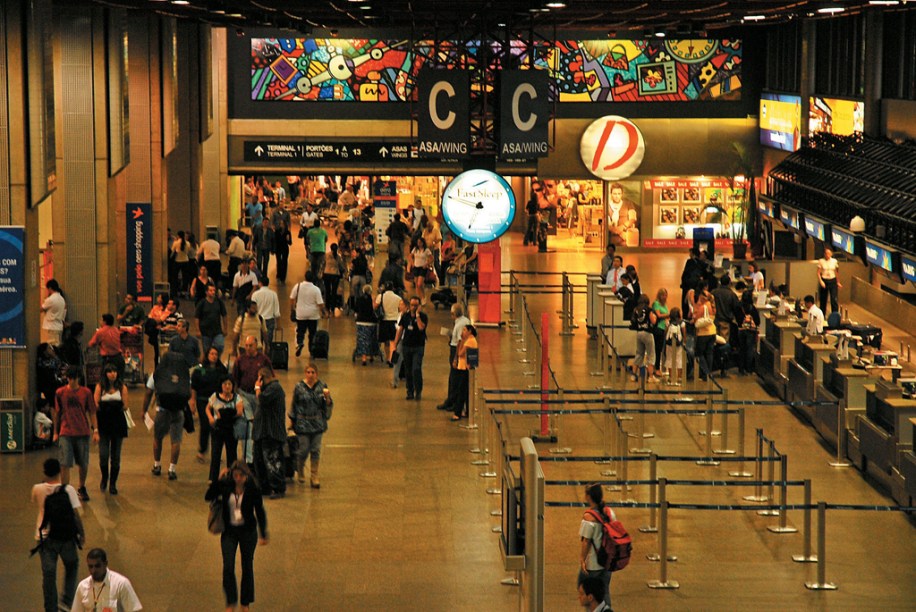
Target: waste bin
12 425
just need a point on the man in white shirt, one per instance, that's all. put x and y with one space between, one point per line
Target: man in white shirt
461 321
347 199
236 253
243 285
307 307
417 212
815 317
209 252
104 589
268 307
827 281
306 222
614 276
55 310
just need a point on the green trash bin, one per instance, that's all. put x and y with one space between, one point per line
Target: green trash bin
12 426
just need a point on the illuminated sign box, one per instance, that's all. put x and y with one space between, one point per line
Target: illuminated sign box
834 116
767 207
882 257
817 229
908 268
790 218
843 240
780 121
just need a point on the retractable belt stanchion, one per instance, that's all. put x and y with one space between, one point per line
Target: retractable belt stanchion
501 451
821 584
567 313
652 527
806 556
662 582
840 439
783 494
662 499
492 446
559 450
481 448
641 434
512 289
724 450
741 473
602 356
771 474
708 460
606 435
758 472
473 401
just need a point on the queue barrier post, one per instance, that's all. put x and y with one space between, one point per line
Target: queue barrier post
840 461
723 443
758 471
559 450
524 340
566 314
663 582
663 499
652 527
641 434
783 494
606 433
602 356
500 464
473 401
771 474
741 473
482 423
708 460
511 310
821 584
806 556
481 437
491 445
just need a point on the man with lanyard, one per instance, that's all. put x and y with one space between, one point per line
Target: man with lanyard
827 281
412 327
104 590
815 317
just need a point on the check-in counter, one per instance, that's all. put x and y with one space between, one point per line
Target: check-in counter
592 305
885 432
905 492
622 337
847 385
602 293
775 351
805 371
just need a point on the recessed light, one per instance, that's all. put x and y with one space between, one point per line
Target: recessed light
884 2
556 5
754 17
831 9
365 7
182 2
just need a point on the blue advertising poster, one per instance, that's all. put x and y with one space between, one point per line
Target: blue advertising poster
884 258
816 229
908 268
140 251
12 287
843 240
789 218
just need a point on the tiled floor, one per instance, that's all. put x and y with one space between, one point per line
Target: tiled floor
402 521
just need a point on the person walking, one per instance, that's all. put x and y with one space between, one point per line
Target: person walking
111 399
54 308
249 324
366 327
309 414
244 283
451 397
333 271
421 260
397 356
307 308
317 238
244 519
74 418
591 533
154 323
263 244
105 588
185 344
269 433
108 339
58 533
283 239
208 255
205 381
827 281
210 314
171 384
412 327
644 320
268 308
200 284
223 409
359 275
389 303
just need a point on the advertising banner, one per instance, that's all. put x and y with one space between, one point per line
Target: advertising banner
843 240
789 218
12 287
385 199
780 121
524 111
908 268
883 257
443 117
817 229
140 251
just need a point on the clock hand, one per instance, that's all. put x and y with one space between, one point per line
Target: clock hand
473 218
462 201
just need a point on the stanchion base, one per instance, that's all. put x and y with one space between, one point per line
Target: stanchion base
756 498
495 512
839 464
641 451
714 433
740 474
626 417
488 474
724 451
671 584
534 386
480 462
497 529
468 427
494 491
708 462
596 373
609 473
768 513
602 461
804 559
560 451
537 437
648 434
684 398
648 529
569 333
815 586
524 361
782 529
509 582
655 557
476 451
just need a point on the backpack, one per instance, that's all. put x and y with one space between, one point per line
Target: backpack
59 517
616 543
639 319
673 336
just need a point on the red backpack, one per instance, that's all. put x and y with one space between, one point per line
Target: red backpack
616 543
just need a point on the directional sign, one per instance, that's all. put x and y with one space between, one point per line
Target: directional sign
291 151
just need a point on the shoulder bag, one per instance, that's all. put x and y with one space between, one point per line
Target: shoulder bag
215 523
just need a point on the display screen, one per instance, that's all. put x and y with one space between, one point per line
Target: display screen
816 229
840 117
884 258
780 121
908 268
843 240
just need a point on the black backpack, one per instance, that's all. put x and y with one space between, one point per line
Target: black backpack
59 517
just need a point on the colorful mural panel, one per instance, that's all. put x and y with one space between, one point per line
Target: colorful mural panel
370 70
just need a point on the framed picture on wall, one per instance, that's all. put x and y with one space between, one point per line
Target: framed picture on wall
690 194
669 194
691 215
667 215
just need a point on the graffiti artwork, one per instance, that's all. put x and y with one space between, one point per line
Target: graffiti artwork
371 70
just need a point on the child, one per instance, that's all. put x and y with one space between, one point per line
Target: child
674 339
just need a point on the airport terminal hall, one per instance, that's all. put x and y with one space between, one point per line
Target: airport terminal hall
475 305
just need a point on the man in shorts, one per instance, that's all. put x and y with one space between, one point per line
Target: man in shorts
171 383
74 422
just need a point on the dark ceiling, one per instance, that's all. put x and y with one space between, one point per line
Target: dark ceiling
610 17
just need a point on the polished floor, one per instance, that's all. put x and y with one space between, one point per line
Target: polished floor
402 521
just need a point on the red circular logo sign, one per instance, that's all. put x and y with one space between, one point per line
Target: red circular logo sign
612 148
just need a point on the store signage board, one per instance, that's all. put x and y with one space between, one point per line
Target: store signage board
789 218
285 152
843 240
908 268
524 114
816 229
612 148
443 116
880 256
12 287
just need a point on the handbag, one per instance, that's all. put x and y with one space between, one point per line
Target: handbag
215 523
129 419
431 276
188 419
705 320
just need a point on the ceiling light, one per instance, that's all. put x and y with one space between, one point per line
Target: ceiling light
355 1
754 17
831 9
659 34
365 7
884 2
182 2
556 5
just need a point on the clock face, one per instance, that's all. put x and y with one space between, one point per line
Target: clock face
693 50
478 206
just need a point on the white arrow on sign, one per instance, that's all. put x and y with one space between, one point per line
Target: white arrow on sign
259 150
383 151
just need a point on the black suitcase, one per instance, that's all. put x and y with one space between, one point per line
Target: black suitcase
444 297
279 352
321 344
289 457
870 334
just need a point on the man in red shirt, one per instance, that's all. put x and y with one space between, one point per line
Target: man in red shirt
108 339
74 421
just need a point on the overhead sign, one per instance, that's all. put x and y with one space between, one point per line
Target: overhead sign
817 229
140 251
780 121
286 152
385 200
767 207
843 240
444 117
612 148
789 218
883 257
12 287
524 113
908 268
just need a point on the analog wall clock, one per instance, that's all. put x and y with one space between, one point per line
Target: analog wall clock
478 206
692 50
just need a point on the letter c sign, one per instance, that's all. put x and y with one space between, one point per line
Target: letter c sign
612 148
528 90
443 123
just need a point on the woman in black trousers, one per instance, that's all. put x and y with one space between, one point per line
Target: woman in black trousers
244 518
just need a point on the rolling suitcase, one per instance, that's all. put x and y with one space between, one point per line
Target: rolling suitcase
870 334
444 297
279 351
321 344
290 456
